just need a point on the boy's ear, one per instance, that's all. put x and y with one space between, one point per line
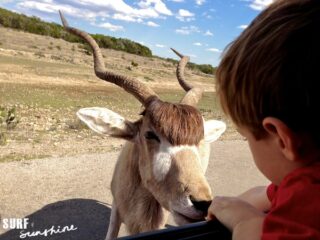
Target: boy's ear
288 142
105 121
213 130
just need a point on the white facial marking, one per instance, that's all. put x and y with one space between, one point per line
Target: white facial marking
185 207
163 159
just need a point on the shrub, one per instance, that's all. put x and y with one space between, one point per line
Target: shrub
86 49
39 54
8 117
206 68
134 64
148 79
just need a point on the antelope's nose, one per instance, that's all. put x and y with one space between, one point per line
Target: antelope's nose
200 205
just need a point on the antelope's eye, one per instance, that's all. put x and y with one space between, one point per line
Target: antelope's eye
151 136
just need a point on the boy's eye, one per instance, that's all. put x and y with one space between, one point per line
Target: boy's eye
151 136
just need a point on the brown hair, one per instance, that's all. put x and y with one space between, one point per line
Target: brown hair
180 124
272 69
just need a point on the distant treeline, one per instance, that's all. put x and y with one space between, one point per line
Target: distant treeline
205 68
35 25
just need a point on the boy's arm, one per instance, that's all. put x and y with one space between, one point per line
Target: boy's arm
243 215
250 229
257 197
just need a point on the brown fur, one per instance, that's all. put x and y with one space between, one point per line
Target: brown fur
179 124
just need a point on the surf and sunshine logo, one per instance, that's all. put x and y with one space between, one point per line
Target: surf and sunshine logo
23 223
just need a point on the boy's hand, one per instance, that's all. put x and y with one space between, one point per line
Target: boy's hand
232 211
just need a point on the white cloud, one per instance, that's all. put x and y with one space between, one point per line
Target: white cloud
200 2
46 7
260 4
179 1
157 5
111 27
152 24
187 30
242 26
215 50
197 44
127 18
208 33
160 46
185 15
146 44
6 1
98 9
183 31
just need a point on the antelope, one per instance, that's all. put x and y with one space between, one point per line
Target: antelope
160 169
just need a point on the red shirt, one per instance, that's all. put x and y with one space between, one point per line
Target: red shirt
295 206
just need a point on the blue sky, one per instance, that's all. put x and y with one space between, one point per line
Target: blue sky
198 28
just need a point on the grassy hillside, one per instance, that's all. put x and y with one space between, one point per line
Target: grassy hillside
34 25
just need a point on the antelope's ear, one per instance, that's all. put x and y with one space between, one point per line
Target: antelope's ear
105 121
213 130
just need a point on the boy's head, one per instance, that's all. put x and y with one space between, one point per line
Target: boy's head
273 69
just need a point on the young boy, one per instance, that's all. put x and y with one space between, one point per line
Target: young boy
269 84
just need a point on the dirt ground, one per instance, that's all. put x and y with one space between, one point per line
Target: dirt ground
76 190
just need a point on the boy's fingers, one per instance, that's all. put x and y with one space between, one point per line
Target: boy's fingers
224 209
218 203
231 210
